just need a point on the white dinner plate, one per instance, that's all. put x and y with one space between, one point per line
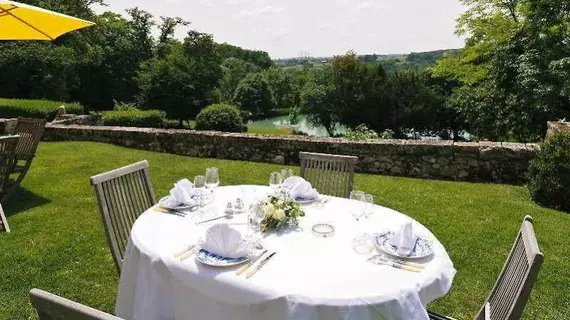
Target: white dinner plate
423 248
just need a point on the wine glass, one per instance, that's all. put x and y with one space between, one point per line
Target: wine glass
212 178
286 173
199 182
369 207
275 180
358 209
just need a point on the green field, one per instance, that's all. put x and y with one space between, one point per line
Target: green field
58 244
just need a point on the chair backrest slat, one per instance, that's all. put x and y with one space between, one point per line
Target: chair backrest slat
512 289
52 307
328 173
123 194
30 131
7 158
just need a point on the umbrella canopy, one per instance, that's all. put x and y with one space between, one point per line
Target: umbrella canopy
20 21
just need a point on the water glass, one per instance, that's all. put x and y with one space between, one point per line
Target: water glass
275 180
286 173
212 178
199 182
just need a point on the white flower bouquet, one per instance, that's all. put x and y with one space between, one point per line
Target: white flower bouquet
278 212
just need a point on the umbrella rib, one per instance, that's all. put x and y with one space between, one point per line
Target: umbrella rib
4 11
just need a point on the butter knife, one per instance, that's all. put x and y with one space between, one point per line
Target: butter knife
251 272
249 263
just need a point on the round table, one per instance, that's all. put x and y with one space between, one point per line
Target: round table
309 278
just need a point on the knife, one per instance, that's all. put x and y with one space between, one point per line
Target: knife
249 263
208 220
251 272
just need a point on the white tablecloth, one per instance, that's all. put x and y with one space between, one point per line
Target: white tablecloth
309 277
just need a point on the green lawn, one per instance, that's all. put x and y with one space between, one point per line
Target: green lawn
58 244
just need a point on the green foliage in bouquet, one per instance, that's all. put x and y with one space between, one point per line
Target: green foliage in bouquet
279 212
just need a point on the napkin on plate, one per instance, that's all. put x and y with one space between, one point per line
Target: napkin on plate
303 190
405 239
225 241
183 193
292 181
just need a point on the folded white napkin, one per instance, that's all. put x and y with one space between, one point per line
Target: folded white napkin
225 241
405 239
183 193
303 190
292 181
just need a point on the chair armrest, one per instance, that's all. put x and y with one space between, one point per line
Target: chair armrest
435 316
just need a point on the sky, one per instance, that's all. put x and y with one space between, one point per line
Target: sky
317 28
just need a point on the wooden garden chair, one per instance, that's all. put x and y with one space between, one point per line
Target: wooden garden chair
7 160
52 307
512 289
30 132
3 221
123 194
329 173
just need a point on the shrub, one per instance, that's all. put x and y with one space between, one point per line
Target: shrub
134 118
549 173
361 133
45 109
220 117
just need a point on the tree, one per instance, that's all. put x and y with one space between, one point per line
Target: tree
182 82
516 58
254 95
319 105
234 70
283 88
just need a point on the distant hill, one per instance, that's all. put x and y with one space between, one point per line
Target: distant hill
391 62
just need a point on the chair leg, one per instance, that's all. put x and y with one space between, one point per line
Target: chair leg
11 189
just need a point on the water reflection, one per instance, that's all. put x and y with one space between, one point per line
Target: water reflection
303 125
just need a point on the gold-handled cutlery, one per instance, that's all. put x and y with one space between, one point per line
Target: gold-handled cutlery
171 211
377 259
256 268
408 263
181 252
249 263
187 254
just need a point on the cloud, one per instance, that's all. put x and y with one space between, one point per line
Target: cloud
277 34
366 5
259 12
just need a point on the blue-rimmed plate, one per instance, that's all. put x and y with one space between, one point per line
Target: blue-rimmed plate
423 248
214 260
305 201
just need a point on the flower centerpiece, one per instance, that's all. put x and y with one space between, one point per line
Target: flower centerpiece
278 211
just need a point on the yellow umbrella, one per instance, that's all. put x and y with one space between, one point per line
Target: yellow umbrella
20 21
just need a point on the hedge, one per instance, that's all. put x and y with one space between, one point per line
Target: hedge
13 108
134 118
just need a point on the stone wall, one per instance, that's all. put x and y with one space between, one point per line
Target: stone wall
557 126
484 161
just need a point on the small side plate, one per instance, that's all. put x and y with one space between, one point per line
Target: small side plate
215 260
423 248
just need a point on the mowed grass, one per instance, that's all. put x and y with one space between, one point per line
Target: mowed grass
58 243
